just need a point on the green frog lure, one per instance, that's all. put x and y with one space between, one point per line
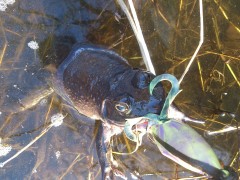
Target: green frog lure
177 140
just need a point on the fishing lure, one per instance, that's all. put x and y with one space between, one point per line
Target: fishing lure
175 139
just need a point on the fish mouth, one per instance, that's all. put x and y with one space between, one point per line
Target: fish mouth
118 124
138 124
136 128
141 122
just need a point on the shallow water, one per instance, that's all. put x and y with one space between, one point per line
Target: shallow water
210 90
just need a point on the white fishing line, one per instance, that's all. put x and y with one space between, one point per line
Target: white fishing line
200 42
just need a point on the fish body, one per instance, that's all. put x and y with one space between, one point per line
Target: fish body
101 85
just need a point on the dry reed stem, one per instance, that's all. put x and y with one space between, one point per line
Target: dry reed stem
71 165
138 33
226 16
233 74
27 146
55 122
200 74
2 53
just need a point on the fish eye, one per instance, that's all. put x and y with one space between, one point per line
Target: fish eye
122 107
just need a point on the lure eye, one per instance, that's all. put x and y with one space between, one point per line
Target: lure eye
122 107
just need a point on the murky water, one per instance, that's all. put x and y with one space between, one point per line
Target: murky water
171 30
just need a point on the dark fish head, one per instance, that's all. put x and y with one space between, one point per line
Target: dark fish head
130 97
